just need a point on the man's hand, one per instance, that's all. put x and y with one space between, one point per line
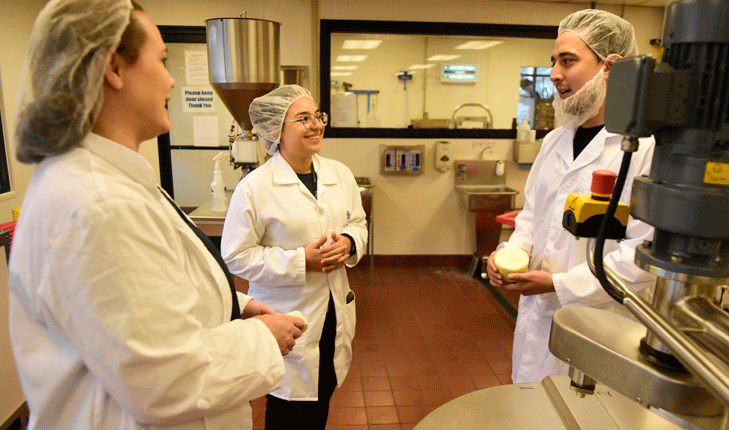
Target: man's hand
495 277
285 328
534 282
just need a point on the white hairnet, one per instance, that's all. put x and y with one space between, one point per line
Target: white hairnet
268 112
605 33
60 89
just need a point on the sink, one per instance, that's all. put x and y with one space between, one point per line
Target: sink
486 189
486 196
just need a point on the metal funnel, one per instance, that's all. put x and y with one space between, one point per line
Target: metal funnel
244 61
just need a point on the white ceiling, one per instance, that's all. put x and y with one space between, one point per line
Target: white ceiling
656 3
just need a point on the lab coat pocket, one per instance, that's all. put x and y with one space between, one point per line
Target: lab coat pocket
349 317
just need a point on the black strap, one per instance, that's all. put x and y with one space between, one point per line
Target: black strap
215 253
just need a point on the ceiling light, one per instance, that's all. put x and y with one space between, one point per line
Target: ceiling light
479 44
421 66
341 74
361 44
443 57
344 67
350 58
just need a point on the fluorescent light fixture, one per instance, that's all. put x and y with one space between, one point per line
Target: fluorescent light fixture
350 58
340 74
420 66
482 44
344 67
443 57
361 44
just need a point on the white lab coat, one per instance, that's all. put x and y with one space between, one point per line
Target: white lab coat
271 218
119 315
554 175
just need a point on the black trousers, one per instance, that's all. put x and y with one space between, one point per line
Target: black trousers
291 414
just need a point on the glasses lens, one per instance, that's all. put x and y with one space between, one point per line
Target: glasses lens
324 118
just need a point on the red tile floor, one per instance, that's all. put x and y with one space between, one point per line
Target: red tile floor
425 335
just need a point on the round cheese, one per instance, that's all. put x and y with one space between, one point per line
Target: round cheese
511 260
299 315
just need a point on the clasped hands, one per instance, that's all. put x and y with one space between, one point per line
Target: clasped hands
323 257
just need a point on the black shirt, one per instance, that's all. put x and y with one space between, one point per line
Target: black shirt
583 136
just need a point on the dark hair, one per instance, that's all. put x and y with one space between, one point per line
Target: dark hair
133 37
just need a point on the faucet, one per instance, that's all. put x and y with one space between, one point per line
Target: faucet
488 121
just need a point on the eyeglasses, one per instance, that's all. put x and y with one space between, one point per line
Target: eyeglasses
308 119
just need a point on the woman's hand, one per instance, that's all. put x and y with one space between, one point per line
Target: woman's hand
336 253
314 255
255 308
325 258
285 328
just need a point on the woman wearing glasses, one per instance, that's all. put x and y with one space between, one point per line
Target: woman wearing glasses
292 225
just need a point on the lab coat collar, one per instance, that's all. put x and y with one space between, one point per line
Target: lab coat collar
129 162
565 151
284 174
591 152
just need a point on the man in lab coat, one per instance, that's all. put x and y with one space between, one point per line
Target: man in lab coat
587 44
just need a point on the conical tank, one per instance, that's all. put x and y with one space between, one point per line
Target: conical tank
244 61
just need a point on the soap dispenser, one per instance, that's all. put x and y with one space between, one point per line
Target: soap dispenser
443 156
500 168
218 185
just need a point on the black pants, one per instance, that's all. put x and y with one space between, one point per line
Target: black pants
290 414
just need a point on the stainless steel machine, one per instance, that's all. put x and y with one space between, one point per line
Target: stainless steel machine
244 62
671 370
679 366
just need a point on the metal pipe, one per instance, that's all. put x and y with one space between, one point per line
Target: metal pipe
706 323
690 355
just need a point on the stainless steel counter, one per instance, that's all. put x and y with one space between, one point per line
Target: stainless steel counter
208 221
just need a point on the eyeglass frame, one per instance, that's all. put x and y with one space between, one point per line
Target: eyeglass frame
323 117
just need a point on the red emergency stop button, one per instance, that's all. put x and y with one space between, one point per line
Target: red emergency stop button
603 182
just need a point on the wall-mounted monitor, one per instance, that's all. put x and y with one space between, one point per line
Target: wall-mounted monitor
459 73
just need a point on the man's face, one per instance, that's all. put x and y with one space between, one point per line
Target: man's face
574 63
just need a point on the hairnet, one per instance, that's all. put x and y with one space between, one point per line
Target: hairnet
268 112
605 33
60 89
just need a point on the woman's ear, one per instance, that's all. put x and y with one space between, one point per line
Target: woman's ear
113 71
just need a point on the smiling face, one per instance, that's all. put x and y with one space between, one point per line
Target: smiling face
299 144
148 83
574 63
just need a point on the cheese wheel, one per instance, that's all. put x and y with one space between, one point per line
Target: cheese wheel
511 260
299 315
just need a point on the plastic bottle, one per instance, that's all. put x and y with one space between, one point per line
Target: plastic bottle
522 131
218 185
